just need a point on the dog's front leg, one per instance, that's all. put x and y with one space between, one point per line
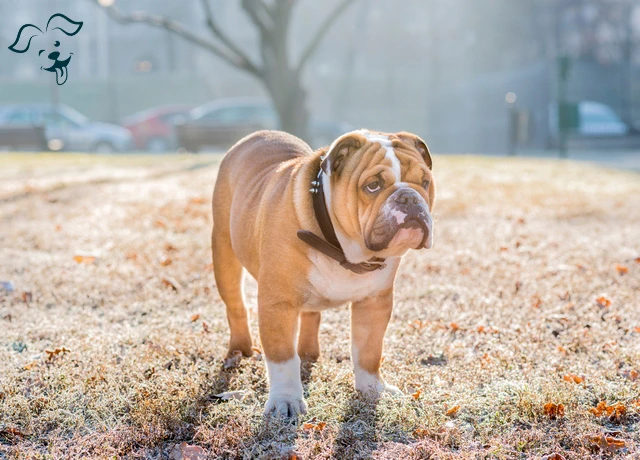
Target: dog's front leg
369 320
278 328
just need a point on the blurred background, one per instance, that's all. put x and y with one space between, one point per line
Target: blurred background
535 77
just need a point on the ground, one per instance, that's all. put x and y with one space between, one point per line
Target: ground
112 341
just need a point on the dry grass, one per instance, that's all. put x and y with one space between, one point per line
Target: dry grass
490 320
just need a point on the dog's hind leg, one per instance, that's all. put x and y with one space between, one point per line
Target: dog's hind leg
229 279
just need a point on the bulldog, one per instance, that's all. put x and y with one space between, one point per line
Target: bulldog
318 230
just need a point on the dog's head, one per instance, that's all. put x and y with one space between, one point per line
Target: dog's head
49 44
380 192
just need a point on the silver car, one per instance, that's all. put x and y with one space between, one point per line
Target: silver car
67 129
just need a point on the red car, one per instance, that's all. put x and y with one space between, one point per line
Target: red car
153 129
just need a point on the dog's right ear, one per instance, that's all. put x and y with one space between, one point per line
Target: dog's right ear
341 148
23 40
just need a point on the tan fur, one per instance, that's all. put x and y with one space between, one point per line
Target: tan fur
261 199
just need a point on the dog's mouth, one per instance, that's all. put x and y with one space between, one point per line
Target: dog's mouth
60 69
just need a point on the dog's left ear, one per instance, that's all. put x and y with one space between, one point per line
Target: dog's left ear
339 151
63 24
23 40
420 146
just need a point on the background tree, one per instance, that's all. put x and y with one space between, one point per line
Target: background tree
281 78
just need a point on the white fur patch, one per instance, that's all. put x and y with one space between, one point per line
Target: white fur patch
399 216
334 285
385 142
285 388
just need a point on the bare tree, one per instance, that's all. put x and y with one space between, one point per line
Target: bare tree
281 78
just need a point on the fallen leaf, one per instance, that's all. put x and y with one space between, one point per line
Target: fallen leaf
31 365
638 260
84 259
160 223
537 302
417 394
313 425
185 451
195 317
607 443
622 270
205 327
603 302
454 327
553 457
615 412
166 262
132 256
55 352
169 247
637 328
554 411
631 374
170 282
229 395
418 324
421 433
453 411
573 378
27 296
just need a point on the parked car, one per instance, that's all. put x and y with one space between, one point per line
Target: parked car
153 129
223 122
67 129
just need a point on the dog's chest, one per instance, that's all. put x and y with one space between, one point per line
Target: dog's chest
332 285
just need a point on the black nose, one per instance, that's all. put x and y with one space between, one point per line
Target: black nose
407 197
54 56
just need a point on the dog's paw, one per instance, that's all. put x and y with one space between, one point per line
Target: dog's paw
285 406
376 387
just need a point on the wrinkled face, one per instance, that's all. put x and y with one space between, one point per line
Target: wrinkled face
381 193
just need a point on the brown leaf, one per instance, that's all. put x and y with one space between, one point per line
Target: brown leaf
166 262
132 255
31 365
453 411
170 282
554 411
82 259
607 443
417 394
185 451
312 425
622 270
615 412
195 317
537 302
27 296
55 352
169 247
573 378
553 457
631 374
205 327
637 328
603 302
160 223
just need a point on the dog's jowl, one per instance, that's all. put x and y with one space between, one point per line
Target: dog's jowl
318 230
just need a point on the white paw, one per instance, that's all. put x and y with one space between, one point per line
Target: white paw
374 387
285 406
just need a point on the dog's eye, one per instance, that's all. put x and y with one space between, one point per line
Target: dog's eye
425 184
57 43
373 187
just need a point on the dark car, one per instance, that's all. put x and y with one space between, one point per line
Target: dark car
221 123
153 129
66 128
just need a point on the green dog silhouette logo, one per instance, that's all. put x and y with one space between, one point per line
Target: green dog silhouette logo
50 44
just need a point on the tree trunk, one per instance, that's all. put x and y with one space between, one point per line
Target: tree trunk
285 88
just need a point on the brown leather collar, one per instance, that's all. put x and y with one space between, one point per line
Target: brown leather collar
330 246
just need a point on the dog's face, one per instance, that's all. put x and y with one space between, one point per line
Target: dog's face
50 44
52 55
385 180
